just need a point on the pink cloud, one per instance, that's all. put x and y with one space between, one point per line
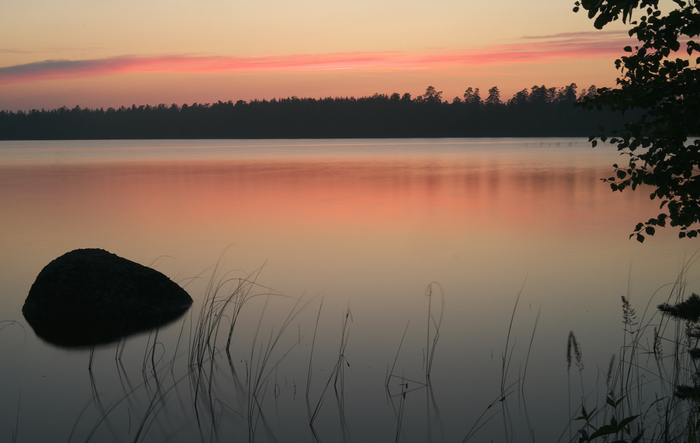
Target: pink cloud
533 49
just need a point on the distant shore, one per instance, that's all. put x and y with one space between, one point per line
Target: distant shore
543 112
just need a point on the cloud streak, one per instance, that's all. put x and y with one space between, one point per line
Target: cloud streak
531 49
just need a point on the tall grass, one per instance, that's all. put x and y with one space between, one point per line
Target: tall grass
508 386
337 377
433 325
643 398
214 336
407 385
234 372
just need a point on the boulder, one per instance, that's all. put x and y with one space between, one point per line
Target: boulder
90 296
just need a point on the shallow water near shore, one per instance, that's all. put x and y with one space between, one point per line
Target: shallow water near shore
361 240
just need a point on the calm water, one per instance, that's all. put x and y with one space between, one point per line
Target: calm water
358 230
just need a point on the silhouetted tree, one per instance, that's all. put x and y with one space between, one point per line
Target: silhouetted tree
567 94
520 98
376 116
431 96
541 95
661 83
591 92
494 97
472 97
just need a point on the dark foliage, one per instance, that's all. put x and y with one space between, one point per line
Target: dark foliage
660 80
688 392
538 112
688 310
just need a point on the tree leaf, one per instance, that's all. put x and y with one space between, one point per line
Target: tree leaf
666 91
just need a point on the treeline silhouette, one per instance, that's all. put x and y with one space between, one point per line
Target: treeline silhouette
538 112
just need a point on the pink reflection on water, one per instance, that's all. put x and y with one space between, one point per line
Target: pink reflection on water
457 195
369 232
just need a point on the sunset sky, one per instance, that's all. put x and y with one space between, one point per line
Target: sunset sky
98 53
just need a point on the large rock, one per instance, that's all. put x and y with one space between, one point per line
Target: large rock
90 296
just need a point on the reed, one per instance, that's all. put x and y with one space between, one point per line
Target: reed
7 323
642 398
337 375
408 385
262 371
506 356
507 386
214 335
433 324
646 397
390 373
222 292
15 429
311 358
402 401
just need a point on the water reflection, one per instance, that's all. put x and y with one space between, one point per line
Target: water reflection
90 297
310 192
362 226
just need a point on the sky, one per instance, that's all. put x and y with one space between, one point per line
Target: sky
105 53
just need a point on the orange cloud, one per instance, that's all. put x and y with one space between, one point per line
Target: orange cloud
537 49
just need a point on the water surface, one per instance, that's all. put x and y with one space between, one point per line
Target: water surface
358 229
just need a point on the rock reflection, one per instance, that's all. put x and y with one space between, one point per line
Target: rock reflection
91 297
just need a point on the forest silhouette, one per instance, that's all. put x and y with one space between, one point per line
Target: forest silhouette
537 112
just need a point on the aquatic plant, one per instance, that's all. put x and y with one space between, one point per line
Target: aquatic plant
235 374
433 323
652 392
225 298
507 385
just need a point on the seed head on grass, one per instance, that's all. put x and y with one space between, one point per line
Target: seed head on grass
629 316
572 345
611 369
657 347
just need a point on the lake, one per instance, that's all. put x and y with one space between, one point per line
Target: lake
362 265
